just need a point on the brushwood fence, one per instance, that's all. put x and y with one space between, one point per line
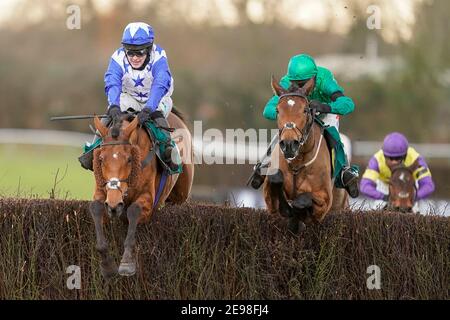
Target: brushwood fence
197 251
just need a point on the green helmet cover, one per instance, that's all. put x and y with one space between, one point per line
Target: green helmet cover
301 67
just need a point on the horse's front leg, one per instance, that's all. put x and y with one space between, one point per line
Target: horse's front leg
321 204
276 182
107 265
303 208
135 211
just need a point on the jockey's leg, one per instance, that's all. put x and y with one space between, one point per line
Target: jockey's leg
260 169
345 175
169 150
87 158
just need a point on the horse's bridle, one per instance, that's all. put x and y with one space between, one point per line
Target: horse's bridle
302 135
114 183
403 167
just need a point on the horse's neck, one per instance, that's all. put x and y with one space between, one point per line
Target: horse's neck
142 140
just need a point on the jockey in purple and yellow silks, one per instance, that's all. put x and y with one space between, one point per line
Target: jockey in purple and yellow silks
394 151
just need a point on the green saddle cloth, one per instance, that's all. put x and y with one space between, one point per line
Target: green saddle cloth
156 134
338 156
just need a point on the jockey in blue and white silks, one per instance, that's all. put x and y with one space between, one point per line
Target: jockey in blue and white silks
150 86
138 78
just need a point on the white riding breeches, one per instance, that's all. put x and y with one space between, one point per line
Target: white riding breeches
127 103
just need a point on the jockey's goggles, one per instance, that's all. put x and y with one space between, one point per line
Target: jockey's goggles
137 53
400 158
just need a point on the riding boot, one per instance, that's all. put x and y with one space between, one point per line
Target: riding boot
350 181
169 146
87 158
257 179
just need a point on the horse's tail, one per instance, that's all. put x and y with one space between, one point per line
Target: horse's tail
179 114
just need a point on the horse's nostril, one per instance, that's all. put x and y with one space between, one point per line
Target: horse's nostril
282 145
295 144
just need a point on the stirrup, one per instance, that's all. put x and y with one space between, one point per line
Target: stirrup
167 158
352 184
86 160
257 179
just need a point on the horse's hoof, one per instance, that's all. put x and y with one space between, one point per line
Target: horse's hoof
285 212
127 269
301 227
293 225
277 178
108 271
303 201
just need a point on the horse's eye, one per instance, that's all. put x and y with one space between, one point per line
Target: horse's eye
129 159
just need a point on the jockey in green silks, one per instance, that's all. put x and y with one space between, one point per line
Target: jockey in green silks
329 100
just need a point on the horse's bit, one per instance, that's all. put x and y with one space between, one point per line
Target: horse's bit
114 183
302 135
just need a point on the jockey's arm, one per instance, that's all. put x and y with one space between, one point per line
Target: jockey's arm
424 180
340 104
368 184
162 80
113 82
270 110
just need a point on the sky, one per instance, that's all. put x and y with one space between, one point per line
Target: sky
397 16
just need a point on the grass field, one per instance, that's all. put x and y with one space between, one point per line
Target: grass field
43 171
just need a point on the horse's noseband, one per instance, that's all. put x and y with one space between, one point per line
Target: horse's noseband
114 183
290 125
302 135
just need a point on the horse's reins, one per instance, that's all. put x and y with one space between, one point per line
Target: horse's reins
303 135
114 183
402 166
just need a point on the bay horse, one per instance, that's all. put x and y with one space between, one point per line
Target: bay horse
299 184
402 188
127 177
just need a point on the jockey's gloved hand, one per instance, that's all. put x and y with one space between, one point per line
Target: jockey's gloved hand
386 198
114 112
144 116
319 106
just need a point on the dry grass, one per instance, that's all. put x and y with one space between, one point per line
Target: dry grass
198 251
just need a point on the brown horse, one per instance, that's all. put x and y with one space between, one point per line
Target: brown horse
402 188
299 184
127 176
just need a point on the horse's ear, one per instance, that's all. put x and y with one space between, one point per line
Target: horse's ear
309 86
277 89
130 128
100 127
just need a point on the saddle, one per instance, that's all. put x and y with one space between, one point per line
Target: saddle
158 148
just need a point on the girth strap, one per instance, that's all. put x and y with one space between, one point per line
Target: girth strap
162 184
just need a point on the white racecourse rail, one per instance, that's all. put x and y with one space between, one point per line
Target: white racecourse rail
238 155
241 150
